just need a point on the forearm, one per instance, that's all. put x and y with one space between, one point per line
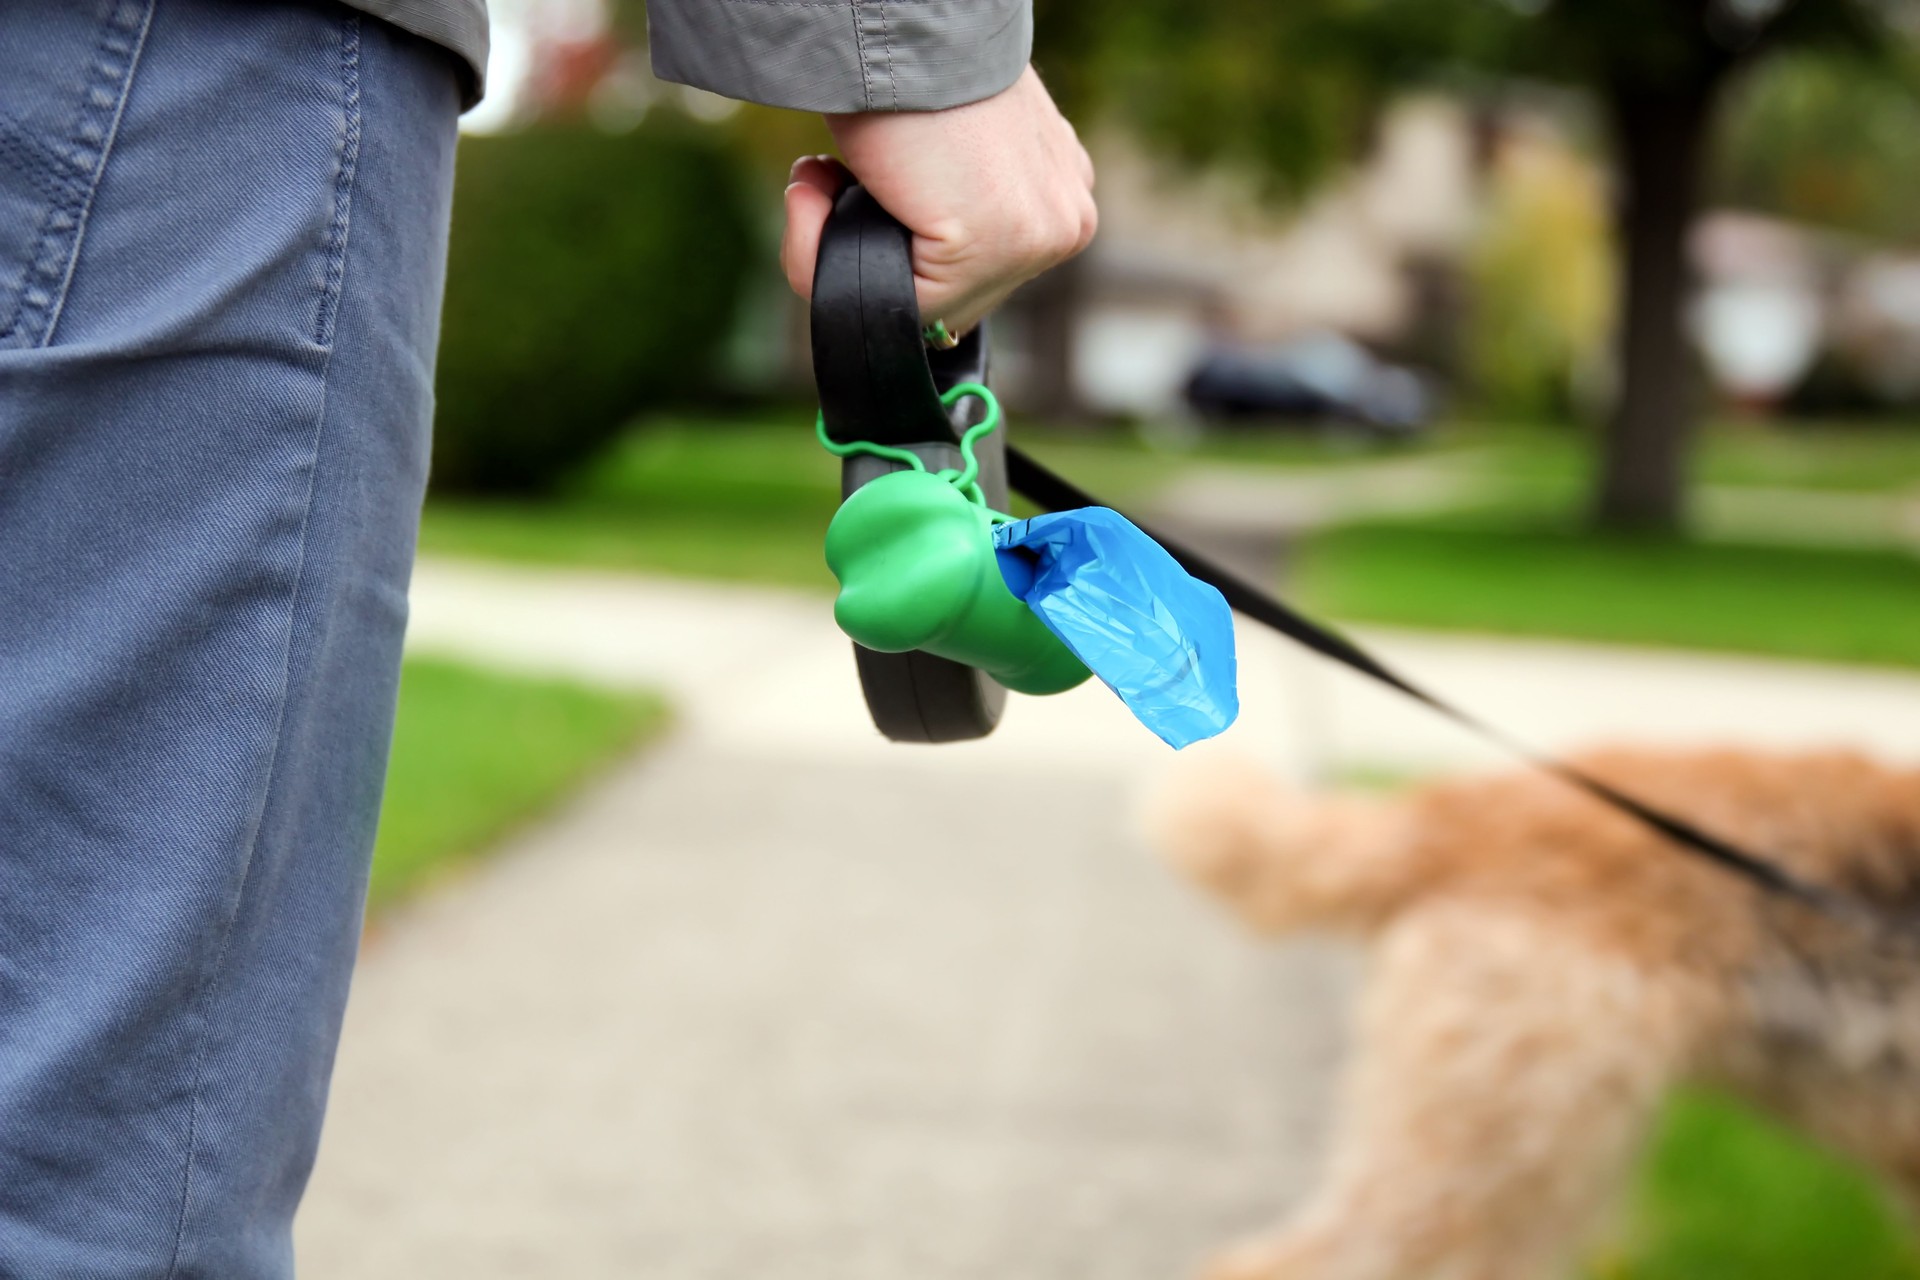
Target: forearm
843 56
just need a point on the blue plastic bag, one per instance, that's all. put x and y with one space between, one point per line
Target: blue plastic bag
1153 633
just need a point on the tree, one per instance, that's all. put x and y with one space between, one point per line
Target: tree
1287 86
1816 141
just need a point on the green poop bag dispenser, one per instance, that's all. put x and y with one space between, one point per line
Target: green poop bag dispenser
938 636
914 554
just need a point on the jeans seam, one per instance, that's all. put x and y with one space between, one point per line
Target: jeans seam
56 251
347 151
342 184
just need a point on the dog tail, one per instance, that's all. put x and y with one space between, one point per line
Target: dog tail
1283 860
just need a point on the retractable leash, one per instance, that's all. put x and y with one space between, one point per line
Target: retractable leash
951 601
1045 488
879 385
929 562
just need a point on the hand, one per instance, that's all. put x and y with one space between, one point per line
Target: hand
995 193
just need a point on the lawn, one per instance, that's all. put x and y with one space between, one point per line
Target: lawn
477 753
748 499
1518 576
1831 457
1726 1195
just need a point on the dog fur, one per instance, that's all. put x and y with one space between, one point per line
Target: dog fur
1544 970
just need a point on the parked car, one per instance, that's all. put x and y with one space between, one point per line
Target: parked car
1315 378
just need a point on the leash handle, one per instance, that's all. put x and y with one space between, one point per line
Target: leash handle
877 380
878 383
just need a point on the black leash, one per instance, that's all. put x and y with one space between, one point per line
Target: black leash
1051 491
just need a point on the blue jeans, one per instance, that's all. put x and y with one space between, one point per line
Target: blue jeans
222 245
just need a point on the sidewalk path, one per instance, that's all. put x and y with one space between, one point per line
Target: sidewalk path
1269 503
1251 504
805 1021
1811 517
783 1001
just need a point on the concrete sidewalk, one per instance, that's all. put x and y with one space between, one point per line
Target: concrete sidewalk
784 1000
1254 504
732 1018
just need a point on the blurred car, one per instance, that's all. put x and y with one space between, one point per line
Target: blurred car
1315 378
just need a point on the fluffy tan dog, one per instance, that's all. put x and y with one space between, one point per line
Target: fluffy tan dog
1544 970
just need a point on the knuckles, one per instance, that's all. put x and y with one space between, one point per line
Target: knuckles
1089 224
1050 233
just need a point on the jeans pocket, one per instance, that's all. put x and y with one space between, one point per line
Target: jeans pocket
65 71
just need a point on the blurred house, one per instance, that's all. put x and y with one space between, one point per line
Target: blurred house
1471 243
1477 248
1875 324
1759 316
1184 260
1785 309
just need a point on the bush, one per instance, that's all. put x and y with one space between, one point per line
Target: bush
1542 284
591 276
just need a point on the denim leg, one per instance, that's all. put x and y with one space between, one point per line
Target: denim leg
222 246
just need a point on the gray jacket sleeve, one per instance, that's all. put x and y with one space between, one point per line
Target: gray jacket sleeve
843 55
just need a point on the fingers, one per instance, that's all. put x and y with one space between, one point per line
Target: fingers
995 192
811 189
962 280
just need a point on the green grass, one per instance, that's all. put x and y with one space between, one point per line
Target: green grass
746 501
477 753
1726 1195
748 498
1125 466
1829 457
1500 575
772 549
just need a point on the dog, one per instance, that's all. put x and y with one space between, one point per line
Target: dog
1544 969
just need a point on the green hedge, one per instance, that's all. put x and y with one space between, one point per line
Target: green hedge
591 276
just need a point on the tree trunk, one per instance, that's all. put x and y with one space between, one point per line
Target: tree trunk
1660 139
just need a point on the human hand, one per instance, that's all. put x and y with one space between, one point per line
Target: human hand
994 192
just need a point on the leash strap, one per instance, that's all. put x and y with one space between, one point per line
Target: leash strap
1051 491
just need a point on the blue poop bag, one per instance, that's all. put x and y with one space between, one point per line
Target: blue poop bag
1153 633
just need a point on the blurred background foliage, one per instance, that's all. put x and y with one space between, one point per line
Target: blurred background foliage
1825 141
1575 297
1539 280
613 254
1290 88
592 275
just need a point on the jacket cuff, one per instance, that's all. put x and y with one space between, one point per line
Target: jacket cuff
842 56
